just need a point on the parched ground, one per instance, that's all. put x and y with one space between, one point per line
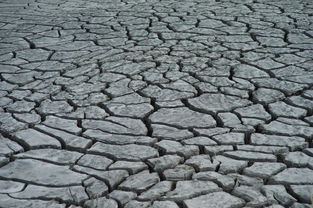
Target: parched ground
156 103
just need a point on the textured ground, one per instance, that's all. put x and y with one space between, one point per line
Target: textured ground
156 103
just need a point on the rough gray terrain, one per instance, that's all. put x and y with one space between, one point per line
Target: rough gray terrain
156 103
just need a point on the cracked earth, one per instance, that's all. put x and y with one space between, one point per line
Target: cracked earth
156 103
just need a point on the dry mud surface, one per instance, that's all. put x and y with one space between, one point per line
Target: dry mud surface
156 103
